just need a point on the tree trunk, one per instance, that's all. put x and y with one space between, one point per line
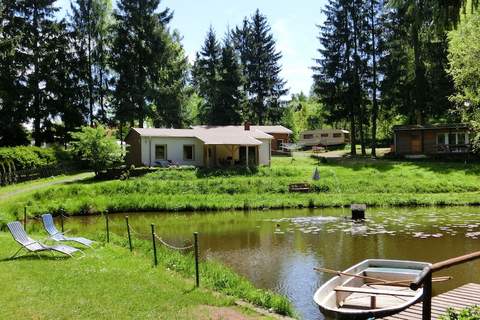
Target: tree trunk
420 82
357 90
36 82
374 84
89 55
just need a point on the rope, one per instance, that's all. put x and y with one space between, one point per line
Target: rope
133 230
171 246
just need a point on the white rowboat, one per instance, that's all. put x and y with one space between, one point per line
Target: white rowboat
363 297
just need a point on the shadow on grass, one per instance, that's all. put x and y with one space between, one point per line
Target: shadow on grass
359 163
32 257
226 172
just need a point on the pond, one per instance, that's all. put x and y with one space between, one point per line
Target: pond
278 250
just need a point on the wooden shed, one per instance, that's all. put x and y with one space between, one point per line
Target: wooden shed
438 139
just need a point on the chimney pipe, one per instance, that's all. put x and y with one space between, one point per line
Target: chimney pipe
247 126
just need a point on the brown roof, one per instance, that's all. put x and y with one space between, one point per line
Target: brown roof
273 129
211 135
430 126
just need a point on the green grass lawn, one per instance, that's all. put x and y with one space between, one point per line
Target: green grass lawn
374 182
108 283
14 188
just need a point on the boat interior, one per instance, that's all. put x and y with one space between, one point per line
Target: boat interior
367 293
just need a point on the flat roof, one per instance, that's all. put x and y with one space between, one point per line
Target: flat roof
329 130
414 127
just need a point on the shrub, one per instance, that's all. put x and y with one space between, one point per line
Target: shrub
470 313
28 157
97 146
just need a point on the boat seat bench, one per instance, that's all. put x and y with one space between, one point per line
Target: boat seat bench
376 291
391 270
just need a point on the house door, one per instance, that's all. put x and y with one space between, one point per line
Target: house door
415 144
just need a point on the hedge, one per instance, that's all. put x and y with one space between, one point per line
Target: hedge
29 157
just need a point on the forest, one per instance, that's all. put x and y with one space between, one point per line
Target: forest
122 65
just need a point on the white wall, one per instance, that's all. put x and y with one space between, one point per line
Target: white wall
264 152
174 150
318 139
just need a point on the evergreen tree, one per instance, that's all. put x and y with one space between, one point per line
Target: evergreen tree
42 38
136 57
90 22
260 60
206 76
12 77
172 92
334 74
231 91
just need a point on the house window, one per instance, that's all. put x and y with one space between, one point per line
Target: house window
452 138
308 136
441 138
324 135
160 152
189 152
337 135
279 144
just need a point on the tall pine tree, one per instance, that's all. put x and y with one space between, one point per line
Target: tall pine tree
12 77
206 76
90 22
42 38
261 67
134 56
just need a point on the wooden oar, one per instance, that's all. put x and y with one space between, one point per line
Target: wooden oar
378 281
437 279
338 273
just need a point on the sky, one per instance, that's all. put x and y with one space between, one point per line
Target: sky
293 26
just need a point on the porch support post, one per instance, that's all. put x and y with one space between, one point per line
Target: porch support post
232 154
207 164
246 148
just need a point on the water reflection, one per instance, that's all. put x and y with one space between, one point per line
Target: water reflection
278 249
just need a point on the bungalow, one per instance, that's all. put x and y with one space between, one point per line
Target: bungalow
442 139
207 146
280 134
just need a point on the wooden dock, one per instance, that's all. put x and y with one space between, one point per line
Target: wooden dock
459 298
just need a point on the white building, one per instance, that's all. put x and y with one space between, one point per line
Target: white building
324 137
203 146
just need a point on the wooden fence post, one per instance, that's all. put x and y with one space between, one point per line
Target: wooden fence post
128 233
25 218
427 297
61 219
106 225
155 261
197 273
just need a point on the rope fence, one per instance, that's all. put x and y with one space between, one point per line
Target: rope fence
130 231
172 246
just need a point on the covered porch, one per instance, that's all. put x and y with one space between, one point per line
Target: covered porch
229 155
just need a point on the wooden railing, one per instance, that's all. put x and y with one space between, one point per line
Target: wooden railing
16 176
425 279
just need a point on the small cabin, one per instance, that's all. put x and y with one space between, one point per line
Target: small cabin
440 139
324 137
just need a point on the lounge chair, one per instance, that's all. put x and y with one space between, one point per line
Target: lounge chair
60 236
30 245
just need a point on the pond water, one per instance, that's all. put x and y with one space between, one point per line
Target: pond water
278 250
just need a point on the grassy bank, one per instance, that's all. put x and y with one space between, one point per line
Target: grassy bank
374 182
112 283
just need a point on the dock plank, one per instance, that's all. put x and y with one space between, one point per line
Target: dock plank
461 297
